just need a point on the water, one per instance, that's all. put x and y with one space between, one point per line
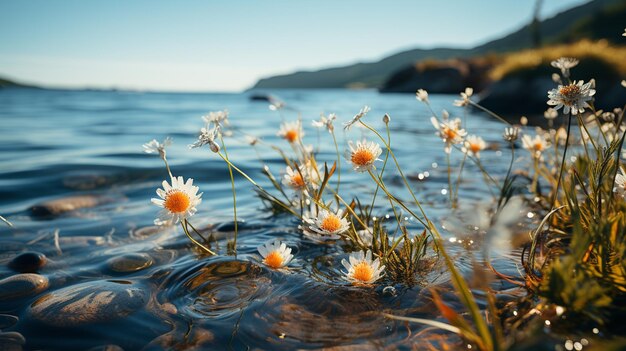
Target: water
57 144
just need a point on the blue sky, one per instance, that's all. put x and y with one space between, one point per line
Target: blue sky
191 45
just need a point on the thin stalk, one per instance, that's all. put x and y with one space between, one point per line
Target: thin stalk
533 185
508 172
395 160
449 179
493 114
338 159
486 177
382 171
167 166
196 231
382 186
393 208
232 183
289 209
458 178
184 225
558 182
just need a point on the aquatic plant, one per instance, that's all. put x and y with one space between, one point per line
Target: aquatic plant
573 264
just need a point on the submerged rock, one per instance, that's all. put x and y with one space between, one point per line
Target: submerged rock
66 204
92 302
21 285
28 262
11 341
130 262
7 321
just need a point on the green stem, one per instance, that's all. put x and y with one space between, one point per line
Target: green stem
449 179
232 183
184 225
558 182
508 172
277 201
338 159
382 171
493 114
458 178
395 160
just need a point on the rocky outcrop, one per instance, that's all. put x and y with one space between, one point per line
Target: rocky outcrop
439 77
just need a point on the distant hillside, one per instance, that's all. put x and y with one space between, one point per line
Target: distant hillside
593 20
6 83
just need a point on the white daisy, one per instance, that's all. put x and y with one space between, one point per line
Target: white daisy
178 201
422 95
534 145
510 134
219 117
321 224
624 83
550 113
291 131
565 64
449 131
474 145
465 98
366 235
620 184
154 147
574 97
356 118
363 155
275 254
326 122
362 269
298 179
207 137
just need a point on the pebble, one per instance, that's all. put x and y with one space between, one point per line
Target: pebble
7 321
130 262
28 262
11 341
21 285
65 204
92 302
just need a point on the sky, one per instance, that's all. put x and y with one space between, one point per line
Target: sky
211 45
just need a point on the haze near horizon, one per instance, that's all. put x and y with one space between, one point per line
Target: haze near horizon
224 46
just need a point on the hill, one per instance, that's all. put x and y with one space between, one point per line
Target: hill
592 20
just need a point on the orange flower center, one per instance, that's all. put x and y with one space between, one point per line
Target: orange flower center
274 259
177 201
475 148
363 272
538 146
449 133
291 135
297 181
331 223
362 157
570 92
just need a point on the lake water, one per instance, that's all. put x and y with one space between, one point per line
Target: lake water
59 144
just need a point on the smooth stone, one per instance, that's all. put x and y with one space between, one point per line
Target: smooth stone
21 285
65 204
92 302
28 262
7 321
130 262
11 341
